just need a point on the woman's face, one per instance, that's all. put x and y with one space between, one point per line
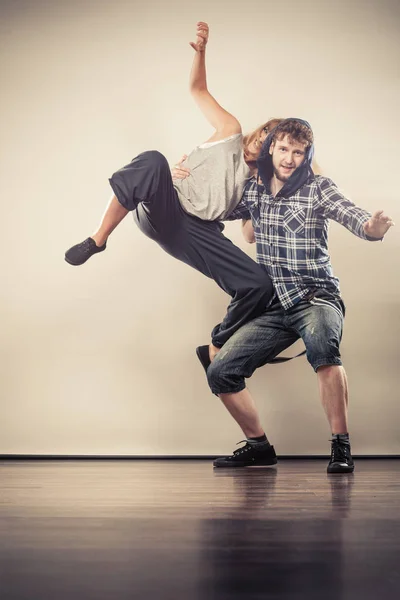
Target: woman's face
254 148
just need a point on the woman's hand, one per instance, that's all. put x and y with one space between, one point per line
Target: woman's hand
202 37
223 122
178 171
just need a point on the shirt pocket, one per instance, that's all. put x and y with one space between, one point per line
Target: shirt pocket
294 220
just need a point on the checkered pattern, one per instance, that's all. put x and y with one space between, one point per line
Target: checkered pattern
292 234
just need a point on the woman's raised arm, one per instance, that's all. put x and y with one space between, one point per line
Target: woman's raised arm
224 123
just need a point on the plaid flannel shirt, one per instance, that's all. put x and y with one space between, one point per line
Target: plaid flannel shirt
292 234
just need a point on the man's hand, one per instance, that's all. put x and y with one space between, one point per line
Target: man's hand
202 37
378 225
178 171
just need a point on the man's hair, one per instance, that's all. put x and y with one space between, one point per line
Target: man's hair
296 131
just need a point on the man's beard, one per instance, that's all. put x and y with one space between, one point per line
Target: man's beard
282 178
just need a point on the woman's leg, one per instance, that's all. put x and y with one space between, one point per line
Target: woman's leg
146 179
202 245
112 217
136 182
145 186
248 284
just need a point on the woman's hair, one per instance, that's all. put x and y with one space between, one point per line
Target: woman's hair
250 137
316 168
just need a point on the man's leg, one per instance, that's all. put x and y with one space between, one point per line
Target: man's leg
332 383
242 408
320 324
249 348
257 450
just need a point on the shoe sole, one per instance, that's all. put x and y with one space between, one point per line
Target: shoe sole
78 264
232 465
340 469
74 264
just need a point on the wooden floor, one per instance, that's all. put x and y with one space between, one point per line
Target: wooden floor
172 530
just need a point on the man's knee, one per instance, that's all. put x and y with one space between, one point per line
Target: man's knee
214 377
221 381
323 336
324 353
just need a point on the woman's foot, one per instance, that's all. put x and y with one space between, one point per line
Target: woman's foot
80 253
206 355
213 351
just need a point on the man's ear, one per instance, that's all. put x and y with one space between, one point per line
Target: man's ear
271 148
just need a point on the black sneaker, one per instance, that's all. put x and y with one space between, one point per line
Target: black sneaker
253 454
203 354
77 255
341 459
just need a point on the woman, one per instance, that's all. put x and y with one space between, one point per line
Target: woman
183 215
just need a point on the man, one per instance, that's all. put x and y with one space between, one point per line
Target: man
289 207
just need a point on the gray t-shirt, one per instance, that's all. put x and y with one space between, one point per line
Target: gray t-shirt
218 174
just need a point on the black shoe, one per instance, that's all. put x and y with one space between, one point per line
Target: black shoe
253 454
77 255
341 459
203 354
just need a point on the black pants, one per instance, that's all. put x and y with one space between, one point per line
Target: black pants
145 187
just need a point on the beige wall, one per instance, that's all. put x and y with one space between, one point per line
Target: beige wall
100 358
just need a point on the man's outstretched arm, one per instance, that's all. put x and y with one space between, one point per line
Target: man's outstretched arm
334 205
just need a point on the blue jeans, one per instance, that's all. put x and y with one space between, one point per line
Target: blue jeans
318 321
